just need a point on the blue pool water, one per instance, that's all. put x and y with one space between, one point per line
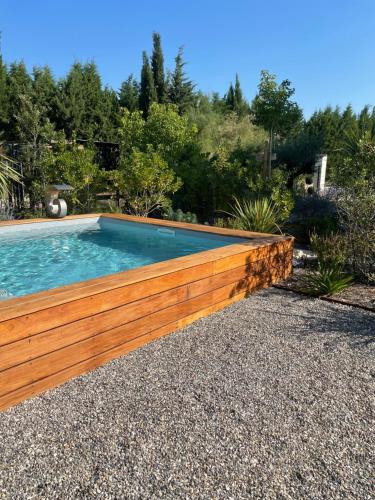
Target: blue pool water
35 257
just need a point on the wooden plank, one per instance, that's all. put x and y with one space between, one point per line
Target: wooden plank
46 319
248 258
59 378
23 325
36 345
30 371
42 300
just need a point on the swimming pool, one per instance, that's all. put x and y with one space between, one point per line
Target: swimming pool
88 289
42 256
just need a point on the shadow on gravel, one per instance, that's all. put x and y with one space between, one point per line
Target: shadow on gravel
353 325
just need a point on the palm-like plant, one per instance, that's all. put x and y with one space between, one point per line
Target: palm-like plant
259 215
7 175
329 279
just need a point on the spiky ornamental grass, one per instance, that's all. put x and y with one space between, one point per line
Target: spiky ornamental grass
260 215
328 279
7 175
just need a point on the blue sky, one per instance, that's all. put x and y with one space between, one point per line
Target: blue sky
326 48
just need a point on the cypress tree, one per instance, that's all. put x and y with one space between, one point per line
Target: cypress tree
157 64
129 94
240 104
147 94
234 99
181 90
230 98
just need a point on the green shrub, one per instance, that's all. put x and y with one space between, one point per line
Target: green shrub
180 216
356 208
330 249
228 222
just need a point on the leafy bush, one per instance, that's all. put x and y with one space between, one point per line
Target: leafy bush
76 166
180 216
356 209
259 215
329 279
330 249
144 181
274 188
228 222
312 214
332 253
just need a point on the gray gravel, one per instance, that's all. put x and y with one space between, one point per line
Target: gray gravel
270 398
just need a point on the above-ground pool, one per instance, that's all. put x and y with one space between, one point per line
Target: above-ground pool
83 290
41 256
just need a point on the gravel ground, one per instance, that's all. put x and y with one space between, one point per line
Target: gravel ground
270 398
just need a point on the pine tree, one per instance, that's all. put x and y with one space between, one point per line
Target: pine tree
147 94
4 102
129 94
348 120
71 101
181 90
157 64
93 96
364 120
19 85
44 91
110 115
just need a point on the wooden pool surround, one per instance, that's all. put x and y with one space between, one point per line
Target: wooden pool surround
46 338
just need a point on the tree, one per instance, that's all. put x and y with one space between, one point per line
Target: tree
229 98
274 110
19 84
85 108
44 91
129 94
165 131
76 166
168 132
348 120
157 64
181 89
131 131
235 100
147 94
4 101
71 101
365 120
145 181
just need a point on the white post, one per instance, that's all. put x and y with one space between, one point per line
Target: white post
320 173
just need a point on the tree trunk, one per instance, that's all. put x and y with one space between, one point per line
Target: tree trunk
270 144
265 159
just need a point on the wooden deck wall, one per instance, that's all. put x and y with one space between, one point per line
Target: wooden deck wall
50 337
